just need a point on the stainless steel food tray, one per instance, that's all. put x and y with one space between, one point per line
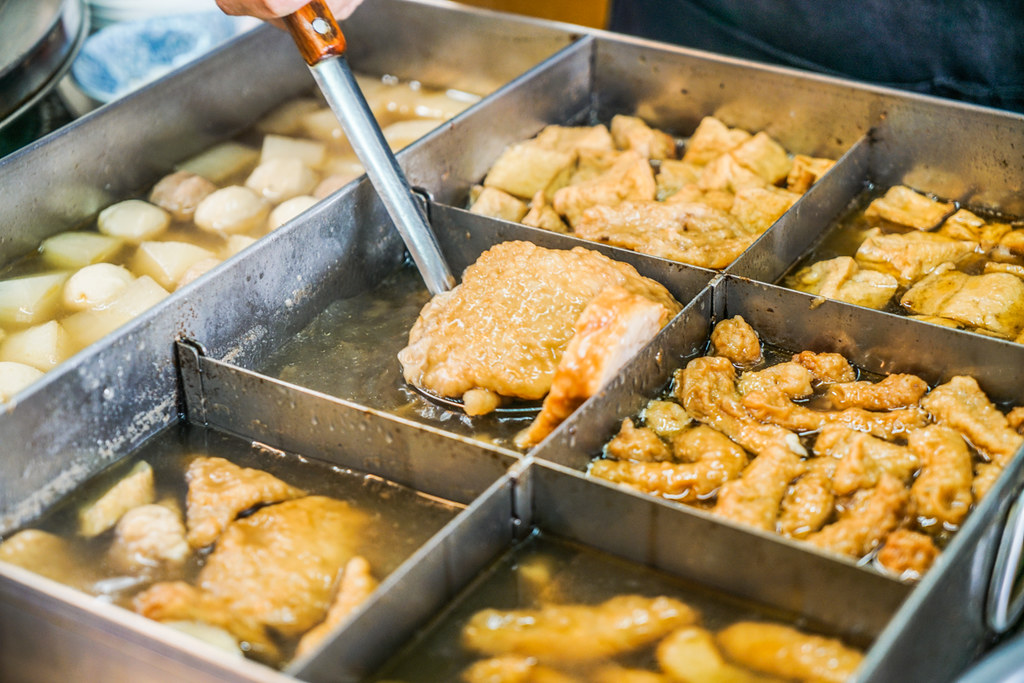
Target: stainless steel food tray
100 405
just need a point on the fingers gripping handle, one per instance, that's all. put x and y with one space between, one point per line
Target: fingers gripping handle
315 32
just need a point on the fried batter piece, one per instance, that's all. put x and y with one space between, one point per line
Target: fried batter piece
764 156
498 204
689 655
992 302
630 179
908 554
775 408
665 418
357 583
964 225
736 340
612 328
806 171
514 669
505 328
728 174
755 497
840 278
270 574
689 232
903 206
894 391
809 502
149 541
941 493
909 256
673 176
871 516
48 555
638 444
631 132
613 673
576 633
985 476
780 650
712 139
861 459
790 379
1015 418
757 208
828 368
709 459
543 215
707 389
218 490
961 404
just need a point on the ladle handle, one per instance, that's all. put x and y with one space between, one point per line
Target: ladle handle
322 45
315 32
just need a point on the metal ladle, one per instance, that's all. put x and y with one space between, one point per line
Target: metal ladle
319 39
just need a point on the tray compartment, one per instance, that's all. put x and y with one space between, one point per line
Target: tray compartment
550 499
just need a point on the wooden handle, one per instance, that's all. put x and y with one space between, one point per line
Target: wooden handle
316 32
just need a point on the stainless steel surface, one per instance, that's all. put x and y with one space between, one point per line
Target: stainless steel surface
107 400
38 42
1005 602
346 100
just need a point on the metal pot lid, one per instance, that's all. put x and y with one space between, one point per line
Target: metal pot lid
38 41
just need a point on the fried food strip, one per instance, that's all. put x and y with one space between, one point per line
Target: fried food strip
576 633
709 460
638 444
755 497
985 477
1015 418
791 379
895 391
861 458
690 655
218 490
775 408
736 340
810 501
48 555
707 390
613 673
961 404
907 553
827 368
872 515
513 669
941 494
357 583
780 650
612 328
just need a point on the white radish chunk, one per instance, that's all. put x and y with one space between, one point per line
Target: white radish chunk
235 244
287 118
14 377
95 285
78 248
403 133
41 347
197 270
180 193
323 125
222 162
288 210
279 179
310 152
133 220
166 262
89 326
135 489
232 210
32 299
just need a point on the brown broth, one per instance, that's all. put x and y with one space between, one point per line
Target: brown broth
578 575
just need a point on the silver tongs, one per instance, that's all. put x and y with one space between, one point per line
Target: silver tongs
322 45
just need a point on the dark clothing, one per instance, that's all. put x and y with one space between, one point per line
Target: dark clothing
972 51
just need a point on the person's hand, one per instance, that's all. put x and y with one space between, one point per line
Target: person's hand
272 9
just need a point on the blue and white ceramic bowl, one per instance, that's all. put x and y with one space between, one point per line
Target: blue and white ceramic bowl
122 57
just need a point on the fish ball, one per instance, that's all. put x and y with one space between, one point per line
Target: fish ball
95 285
232 210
